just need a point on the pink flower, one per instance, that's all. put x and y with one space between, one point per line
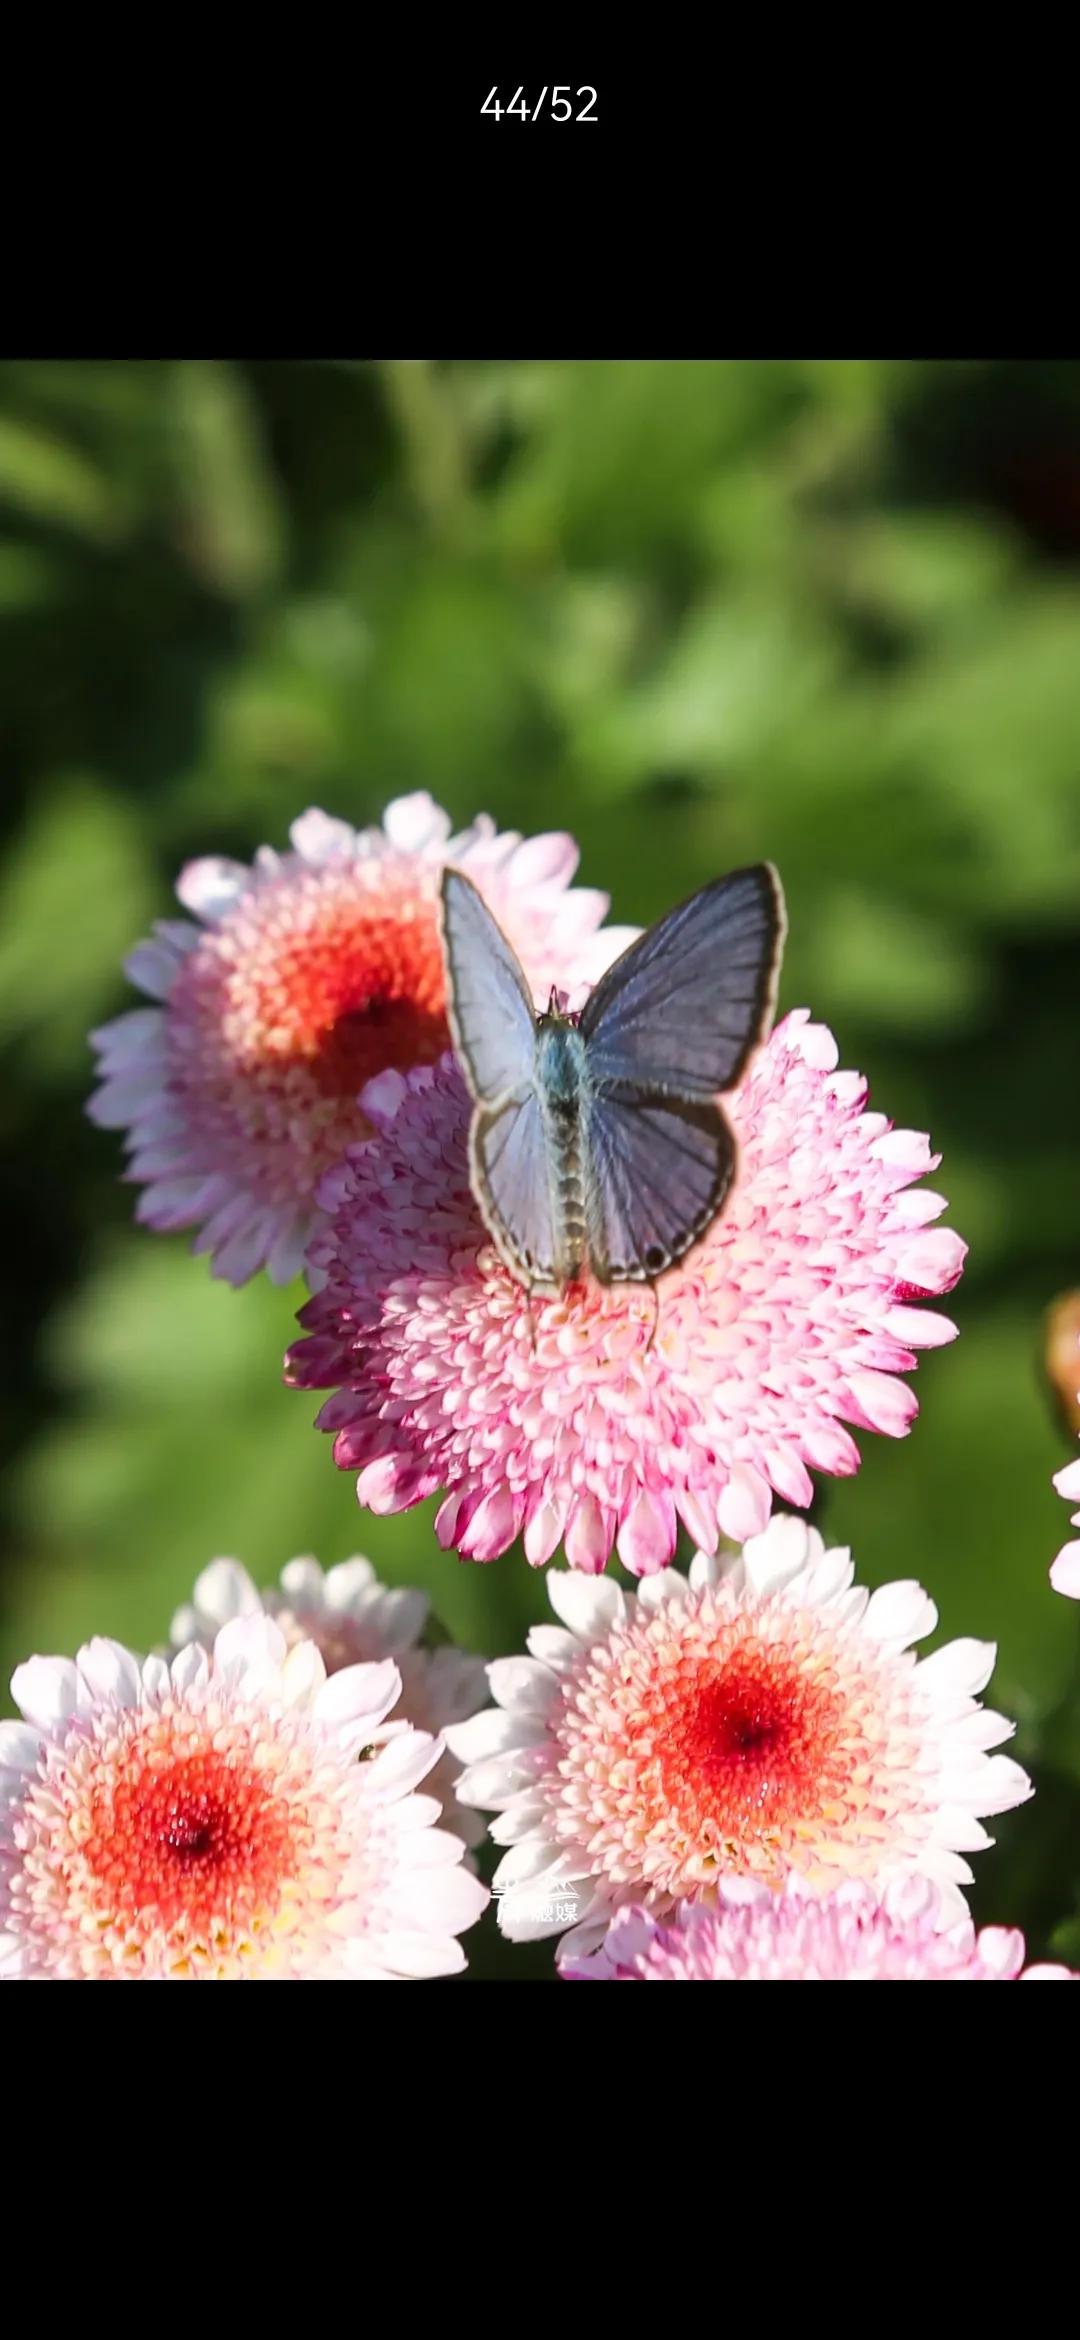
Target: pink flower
308 974
750 1934
763 1718
353 1619
211 1820
1065 1572
571 1419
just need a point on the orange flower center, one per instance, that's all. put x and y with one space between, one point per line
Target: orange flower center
351 996
198 1837
745 1743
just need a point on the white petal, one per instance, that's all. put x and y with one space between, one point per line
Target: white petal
957 1827
190 1667
20 1746
303 1674
900 1613
489 1733
668 1584
414 822
530 1913
153 967
112 1676
449 1898
962 1668
431 1847
249 1650
342 1583
522 1682
1002 1784
523 1863
828 1579
225 1590
317 838
359 1694
553 1645
546 860
155 1679
523 1819
46 1690
492 1785
400 1766
211 887
1065 1572
778 1553
589 1605
304 1583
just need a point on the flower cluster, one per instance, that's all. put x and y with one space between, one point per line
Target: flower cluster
596 1419
741 1773
1065 1571
303 977
748 1934
353 1619
762 1718
237 1814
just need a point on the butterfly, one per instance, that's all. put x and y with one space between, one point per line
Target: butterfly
596 1139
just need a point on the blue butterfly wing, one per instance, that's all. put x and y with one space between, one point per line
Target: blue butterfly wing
509 1164
680 1012
489 1009
657 1171
493 1022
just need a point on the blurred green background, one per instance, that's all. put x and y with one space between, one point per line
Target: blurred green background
827 611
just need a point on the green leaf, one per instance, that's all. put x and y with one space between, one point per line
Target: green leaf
49 480
74 895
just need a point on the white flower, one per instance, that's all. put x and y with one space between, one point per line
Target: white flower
213 1820
309 973
763 1718
353 1619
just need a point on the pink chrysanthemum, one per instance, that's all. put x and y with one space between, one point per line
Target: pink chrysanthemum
752 1935
212 1820
573 1419
763 1717
1065 1572
308 974
354 1620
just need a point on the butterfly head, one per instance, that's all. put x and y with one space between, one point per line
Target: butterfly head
556 1010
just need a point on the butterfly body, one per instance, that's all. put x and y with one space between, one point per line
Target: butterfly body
597 1141
562 1085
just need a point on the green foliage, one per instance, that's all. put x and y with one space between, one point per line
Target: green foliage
695 612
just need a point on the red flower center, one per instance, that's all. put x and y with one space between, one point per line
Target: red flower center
356 993
196 1837
744 1743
